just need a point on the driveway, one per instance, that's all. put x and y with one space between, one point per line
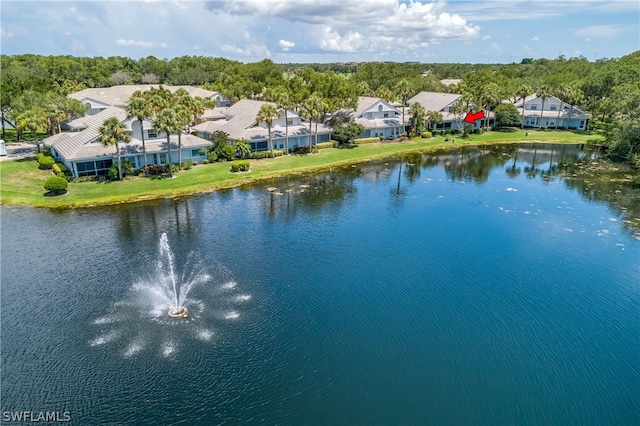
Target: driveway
18 150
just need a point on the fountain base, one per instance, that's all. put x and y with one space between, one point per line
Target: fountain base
180 313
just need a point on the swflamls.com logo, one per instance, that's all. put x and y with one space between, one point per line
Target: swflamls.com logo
36 416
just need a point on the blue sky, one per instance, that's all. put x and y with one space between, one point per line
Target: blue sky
324 30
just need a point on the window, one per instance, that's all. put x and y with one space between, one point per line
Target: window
198 152
379 107
290 121
581 124
151 133
386 115
533 107
553 108
162 158
88 168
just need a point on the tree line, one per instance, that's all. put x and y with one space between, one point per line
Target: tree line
608 89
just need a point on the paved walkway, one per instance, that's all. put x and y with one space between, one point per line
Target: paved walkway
18 150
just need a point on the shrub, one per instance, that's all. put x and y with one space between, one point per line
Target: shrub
56 169
205 161
259 155
278 153
302 150
381 137
45 162
426 135
174 168
155 169
240 166
225 153
187 164
56 184
112 173
325 145
212 157
366 140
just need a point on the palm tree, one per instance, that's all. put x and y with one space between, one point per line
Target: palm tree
183 108
140 108
242 148
268 113
560 92
168 121
309 110
543 92
574 96
418 117
522 92
112 132
284 101
384 93
404 89
33 119
491 96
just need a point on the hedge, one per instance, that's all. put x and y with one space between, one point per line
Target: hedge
324 145
45 162
366 140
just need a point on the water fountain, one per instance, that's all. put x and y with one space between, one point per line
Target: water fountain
184 298
175 295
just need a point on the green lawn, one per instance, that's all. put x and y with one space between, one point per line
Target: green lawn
21 182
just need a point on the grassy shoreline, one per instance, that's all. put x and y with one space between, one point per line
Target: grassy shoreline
21 182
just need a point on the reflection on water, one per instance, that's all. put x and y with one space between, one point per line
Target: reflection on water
488 285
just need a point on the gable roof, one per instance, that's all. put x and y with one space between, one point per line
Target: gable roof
367 102
434 101
68 143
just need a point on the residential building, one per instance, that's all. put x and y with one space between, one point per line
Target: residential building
80 150
443 103
556 113
378 117
239 122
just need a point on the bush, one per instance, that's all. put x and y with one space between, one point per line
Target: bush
302 150
361 141
45 162
278 153
381 137
259 155
426 135
155 169
325 145
127 168
240 166
112 173
174 168
226 153
187 164
56 184
212 157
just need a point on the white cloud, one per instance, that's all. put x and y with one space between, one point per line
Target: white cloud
486 37
139 43
286 45
332 41
370 17
496 47
535 38
251 50
601 31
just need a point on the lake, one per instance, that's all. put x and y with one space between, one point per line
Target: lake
492 285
